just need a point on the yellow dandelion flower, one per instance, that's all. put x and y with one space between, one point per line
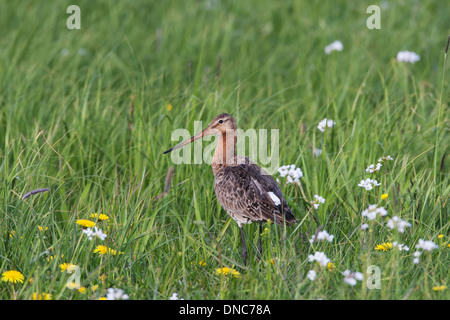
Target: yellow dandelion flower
82 290
86 223
41 228
440 288
68 267
440 236
384 196
12 276
101 249
99 216
41 296
102 298
94 287
226 271
331 266
169 107
386 246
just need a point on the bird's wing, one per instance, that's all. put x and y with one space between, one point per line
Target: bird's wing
245 190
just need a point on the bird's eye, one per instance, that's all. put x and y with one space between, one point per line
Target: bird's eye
220 121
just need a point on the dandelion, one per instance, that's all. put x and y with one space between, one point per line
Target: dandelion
175 297
334 46
12 276
325 123
102 250
322 235
407 56
318 200
373 211
169 107
369 184
440 288
398 223
384 196
86 223
311 275
42 228
41 296
386 246
292 173
320 257
99 216
426 245
82 290
331 266
226 271
68 267
352 277
374 168
116 294
96 233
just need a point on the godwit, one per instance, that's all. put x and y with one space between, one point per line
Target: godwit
246 191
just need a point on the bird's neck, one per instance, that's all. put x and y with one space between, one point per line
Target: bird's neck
225 153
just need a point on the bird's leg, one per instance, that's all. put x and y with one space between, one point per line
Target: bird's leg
244 247
259 242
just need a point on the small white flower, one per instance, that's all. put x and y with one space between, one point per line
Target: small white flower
373 211
320 257
318 200
364 226
369 184
292 173
317 152
407 56
175 297
96 233
334 46
311 275
352 277
322 236
387 158
398 223
426 245
417 254
116 294
373 168
416 260
325 123
400 246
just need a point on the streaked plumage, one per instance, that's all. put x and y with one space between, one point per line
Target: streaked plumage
245 191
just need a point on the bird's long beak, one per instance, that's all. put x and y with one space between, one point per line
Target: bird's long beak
200 135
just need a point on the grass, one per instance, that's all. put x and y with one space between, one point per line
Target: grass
86 114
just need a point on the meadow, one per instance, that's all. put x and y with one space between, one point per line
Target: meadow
87 113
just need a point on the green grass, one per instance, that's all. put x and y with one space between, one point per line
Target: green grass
91 125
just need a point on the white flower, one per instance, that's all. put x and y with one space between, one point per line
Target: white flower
116 294
318 201
364 226
292 173
373 211
416 260
426 245
96 233
398 223
322 236
352 277
407 56
387 158
372 168
369 184
325 123
417 254
311 275
175 297
335 46
320 257
400 246
317 152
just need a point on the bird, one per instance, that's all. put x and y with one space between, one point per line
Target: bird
245 191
